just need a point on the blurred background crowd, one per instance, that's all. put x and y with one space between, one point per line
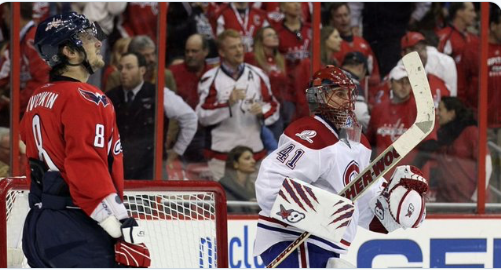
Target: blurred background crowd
259 56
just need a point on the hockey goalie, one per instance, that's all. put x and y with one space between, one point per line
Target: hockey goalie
317 157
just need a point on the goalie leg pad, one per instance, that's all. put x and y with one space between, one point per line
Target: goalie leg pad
309 208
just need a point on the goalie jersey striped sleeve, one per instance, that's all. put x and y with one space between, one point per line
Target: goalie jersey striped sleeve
312 150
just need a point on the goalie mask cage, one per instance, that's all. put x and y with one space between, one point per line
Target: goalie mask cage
185 221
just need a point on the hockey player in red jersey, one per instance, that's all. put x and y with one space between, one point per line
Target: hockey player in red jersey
324 152
77 218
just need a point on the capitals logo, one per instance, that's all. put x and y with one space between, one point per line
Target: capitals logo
94 97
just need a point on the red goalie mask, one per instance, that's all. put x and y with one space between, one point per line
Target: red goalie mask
332 95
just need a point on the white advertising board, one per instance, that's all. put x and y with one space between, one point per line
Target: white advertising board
439 243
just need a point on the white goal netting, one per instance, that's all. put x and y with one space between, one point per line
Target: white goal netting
185 225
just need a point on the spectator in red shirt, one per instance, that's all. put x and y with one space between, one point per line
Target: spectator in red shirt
294 35
340 18
139 19
188 73
34 72
453 40
457 153
267 57
243 18
187 76
394 116
275 15
472 68
295 39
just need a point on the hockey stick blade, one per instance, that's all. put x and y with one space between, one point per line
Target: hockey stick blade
423 125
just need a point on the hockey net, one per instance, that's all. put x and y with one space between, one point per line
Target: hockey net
185 221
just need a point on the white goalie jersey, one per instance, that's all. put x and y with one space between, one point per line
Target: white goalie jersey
312 151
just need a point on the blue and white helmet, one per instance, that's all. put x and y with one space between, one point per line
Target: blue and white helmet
63 29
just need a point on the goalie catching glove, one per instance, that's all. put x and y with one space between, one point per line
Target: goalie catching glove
130 249
401 204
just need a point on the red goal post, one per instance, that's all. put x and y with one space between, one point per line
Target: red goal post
186 221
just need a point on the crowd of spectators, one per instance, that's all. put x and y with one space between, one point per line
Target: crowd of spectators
236 73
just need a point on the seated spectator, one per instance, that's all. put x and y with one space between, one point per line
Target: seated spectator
135 103
267 57
235 101
457 153
236 181
243 18
330 43
394 116
145 46
120 47
355 64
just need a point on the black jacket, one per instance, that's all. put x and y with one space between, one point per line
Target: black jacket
136 124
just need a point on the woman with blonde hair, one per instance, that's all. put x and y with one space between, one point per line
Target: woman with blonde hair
267 57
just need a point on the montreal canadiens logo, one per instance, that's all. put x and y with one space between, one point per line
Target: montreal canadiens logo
351 171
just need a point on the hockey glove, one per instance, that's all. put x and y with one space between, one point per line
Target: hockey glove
401 204
130 249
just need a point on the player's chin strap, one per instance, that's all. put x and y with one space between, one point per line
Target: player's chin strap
84 63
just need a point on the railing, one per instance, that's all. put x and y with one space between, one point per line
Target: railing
431 207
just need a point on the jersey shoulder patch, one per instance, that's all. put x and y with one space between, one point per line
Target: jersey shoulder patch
311 133
94 96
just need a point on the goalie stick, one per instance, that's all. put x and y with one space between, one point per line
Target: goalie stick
423 125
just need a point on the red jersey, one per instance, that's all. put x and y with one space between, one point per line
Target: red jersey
71 127
388 122
361 45
187 83
457 167
34 71
437 86
453 42
140 18
274 14
247 25
472 69
294 45
278 78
